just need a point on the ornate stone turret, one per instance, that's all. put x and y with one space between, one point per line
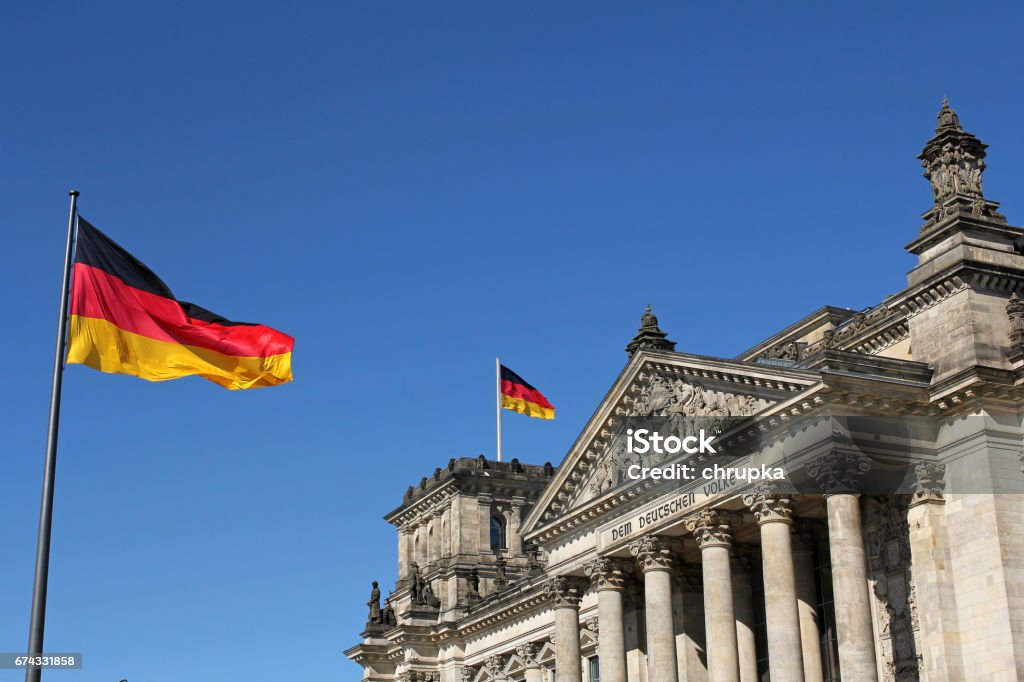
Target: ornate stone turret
953 162
649 336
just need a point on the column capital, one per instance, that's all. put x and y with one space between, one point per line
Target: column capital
607 573
710 529
929 482
769 504
653 552
839 471
565 590
528 652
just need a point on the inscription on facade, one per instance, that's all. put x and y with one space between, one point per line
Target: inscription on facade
661 512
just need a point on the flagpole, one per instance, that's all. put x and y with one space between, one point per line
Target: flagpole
36 626
497 385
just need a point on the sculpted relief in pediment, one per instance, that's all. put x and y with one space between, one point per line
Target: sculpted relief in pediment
665 396
662 401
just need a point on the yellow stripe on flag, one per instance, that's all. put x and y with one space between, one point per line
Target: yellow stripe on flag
526 407
104 346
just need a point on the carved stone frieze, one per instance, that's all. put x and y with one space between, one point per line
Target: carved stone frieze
665 396
792 351
654 553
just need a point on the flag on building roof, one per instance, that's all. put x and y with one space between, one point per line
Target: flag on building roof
125 320
519 396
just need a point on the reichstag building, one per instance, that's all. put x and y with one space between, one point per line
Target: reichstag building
892 549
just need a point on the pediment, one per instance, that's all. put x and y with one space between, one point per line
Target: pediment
667 386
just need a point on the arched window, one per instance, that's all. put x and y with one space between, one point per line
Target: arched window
497 533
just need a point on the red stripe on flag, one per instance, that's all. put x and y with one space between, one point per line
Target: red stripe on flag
100 295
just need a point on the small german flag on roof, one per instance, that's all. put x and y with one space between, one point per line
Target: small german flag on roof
519 396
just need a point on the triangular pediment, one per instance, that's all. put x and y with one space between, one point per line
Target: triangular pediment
670 386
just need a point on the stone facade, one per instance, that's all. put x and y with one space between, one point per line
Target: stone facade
517 572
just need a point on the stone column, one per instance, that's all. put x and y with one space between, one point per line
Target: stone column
804 548
433 537
655 558
446 532
608 576
782 619
565 593
850 588
694 651
420 543
933 579
528 652
404 550
715 540
839 474
743 607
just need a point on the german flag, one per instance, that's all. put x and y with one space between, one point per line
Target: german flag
125 320
519 396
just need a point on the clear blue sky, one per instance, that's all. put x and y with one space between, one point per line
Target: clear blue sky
410 189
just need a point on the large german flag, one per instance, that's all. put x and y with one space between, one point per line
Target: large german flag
519 396
124 319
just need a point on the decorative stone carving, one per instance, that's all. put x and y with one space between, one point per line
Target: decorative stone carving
888 548
533 560
710 528
607 573
665 396
653 552
500 577
929 481
469 673
529 654
839 472
953 162
594 626
565 590
836 338
1015 312
769 504
649 336
792 351
493 665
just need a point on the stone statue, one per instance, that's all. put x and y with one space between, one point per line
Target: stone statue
499 570
474 583
428 597
387 615
415 583
374 604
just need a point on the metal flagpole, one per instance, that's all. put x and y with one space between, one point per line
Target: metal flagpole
497 384
35 632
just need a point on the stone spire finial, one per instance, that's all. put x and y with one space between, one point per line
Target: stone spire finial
649 336
953 162
947 118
